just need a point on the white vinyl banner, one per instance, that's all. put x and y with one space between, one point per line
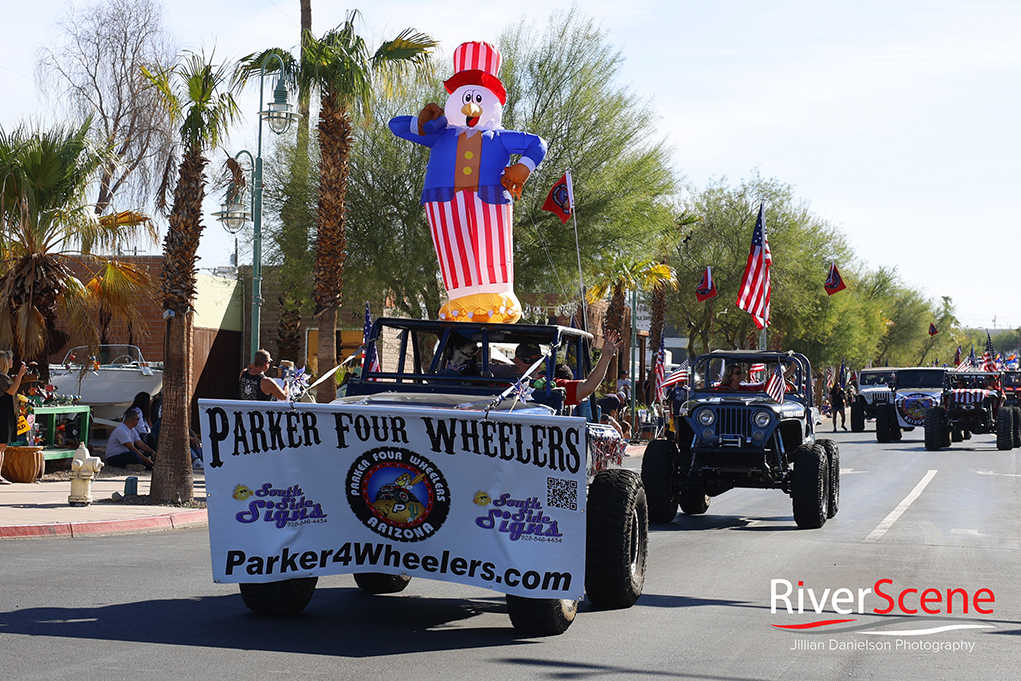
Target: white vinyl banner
297 489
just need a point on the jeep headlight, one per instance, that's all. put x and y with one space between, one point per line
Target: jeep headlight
762 419
706 417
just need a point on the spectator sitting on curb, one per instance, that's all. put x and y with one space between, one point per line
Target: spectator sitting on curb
124 447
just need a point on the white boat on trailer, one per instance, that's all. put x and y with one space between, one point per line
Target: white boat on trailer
107 381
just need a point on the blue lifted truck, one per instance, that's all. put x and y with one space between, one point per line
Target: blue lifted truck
727 437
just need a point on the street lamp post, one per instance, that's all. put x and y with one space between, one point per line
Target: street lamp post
279 114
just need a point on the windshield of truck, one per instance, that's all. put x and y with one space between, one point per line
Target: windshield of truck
920 378
721 373
876 378
1012 379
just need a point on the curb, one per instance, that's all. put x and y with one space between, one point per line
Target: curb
168 521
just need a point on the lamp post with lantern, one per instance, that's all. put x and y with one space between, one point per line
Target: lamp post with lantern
279 114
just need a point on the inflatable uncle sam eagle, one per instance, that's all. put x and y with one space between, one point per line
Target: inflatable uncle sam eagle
469 183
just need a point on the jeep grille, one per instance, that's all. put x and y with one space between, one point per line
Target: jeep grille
734 421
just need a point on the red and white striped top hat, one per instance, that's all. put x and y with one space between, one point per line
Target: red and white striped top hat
477 63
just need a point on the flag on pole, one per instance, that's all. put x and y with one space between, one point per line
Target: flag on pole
854 376
834 282
843 374
754 370
560 200
707 287
957 356
371 361
932 329
753 294
988 361
659 369
679 376
775 384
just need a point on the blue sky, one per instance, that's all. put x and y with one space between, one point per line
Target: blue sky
897 121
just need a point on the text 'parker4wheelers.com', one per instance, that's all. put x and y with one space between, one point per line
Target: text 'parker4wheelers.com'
433 466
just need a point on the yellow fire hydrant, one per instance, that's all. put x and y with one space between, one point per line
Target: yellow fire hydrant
84 469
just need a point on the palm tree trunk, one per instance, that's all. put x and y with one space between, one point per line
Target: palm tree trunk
172 478
335 142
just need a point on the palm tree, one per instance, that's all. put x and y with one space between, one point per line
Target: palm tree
193 93
48 225
617 275
340 68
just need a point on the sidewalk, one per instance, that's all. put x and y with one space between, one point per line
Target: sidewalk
40 509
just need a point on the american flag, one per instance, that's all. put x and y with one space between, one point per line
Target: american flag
755 369
775 384
753 295
679 376
371 361
659 369
988 357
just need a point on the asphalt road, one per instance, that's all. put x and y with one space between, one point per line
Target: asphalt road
144 605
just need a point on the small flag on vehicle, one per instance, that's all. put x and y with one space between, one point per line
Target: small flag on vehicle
988 361
775 385
659 370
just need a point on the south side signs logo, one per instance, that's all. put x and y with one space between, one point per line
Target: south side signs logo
398 494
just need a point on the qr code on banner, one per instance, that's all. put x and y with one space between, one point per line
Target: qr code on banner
562 493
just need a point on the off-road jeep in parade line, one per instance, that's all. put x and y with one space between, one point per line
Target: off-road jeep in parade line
439 462
744 437
875 388
973 402
917 390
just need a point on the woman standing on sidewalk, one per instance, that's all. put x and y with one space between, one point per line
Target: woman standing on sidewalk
8 406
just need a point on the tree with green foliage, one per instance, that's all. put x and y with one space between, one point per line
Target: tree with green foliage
338 67
562 85
48 225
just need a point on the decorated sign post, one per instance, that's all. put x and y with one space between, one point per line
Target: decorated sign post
469 183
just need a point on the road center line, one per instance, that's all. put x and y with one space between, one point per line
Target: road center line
889 520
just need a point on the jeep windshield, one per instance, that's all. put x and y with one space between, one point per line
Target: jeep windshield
753 371
920 378
1012 379
870 378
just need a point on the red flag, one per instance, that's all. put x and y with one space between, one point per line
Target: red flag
707 287
560 200
834 282
932 329
753 296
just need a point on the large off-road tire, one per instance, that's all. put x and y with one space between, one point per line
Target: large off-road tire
894 429
618 539
1004 429
288 597
1017 425
809 493
694 501
935 418
858 415
541 616
380 583
882 424
833 467
659 475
